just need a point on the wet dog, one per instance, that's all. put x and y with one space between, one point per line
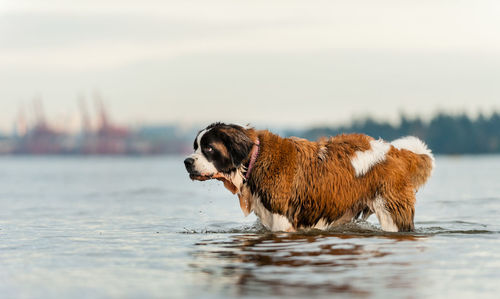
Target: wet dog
293 183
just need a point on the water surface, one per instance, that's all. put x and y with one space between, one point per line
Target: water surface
139 228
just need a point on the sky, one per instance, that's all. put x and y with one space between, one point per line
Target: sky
270 63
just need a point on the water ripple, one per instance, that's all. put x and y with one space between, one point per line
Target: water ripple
357 229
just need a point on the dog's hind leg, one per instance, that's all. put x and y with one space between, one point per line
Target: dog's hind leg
395 210
364 214
367 212
383 215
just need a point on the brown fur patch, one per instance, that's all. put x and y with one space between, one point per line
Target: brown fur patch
245 197
221 148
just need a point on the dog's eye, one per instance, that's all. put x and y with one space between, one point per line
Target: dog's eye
209 149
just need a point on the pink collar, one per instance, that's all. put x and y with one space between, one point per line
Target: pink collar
255 153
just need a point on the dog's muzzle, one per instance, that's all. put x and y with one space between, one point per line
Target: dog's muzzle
194 174
189 162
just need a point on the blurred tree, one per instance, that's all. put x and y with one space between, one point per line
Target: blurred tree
444 133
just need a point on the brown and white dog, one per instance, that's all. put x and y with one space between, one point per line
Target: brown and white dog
293 183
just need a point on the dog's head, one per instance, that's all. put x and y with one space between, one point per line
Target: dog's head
219 150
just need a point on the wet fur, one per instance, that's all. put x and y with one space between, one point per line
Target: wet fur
314 182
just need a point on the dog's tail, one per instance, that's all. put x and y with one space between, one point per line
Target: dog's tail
421 162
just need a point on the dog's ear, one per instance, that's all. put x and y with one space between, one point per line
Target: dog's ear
238 143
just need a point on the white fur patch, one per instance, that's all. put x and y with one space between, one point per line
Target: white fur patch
363 161
415 145
383 216
271 221
201 164
198 138
322 224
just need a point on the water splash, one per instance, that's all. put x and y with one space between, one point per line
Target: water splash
358 228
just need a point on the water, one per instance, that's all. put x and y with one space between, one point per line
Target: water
139 228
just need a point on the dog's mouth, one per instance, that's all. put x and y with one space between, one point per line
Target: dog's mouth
215 176
206 176
200 177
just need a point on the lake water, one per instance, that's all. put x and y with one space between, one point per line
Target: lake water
139 228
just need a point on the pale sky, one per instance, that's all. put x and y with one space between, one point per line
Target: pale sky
274 63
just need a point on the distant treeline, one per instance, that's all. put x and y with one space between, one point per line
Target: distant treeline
444 133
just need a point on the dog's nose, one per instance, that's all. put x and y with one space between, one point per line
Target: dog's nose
189 163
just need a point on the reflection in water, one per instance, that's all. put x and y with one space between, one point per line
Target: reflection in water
305 264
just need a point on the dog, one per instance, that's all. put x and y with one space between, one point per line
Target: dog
293 183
